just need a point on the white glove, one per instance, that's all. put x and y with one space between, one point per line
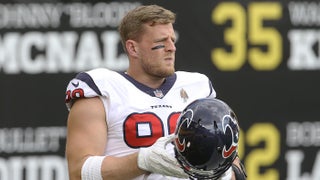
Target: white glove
157 159
227 175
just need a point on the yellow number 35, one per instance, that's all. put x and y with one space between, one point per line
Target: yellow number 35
263 48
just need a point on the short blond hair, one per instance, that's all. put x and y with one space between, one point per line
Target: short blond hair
131 25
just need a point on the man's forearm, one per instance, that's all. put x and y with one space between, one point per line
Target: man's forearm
121 167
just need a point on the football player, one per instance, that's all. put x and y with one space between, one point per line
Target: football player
119 122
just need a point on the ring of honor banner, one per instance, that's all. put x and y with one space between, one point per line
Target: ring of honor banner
263 58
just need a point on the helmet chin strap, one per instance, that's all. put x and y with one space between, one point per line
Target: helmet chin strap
240 172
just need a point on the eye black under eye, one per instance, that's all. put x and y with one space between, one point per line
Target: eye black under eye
157 47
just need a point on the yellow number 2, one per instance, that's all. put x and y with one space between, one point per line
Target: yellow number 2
267 134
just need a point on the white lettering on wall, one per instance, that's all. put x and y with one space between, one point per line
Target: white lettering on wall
54 52
31 139
294 160
53 15
303 56
48 167
304 13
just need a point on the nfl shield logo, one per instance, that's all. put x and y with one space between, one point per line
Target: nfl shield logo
158 93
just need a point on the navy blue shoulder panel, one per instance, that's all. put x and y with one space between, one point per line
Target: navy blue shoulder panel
85 77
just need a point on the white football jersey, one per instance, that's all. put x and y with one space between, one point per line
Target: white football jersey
138 115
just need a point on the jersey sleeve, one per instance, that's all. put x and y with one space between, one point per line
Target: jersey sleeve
195 85
212 93
207 85
82 86
198 81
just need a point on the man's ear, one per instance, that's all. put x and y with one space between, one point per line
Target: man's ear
131 47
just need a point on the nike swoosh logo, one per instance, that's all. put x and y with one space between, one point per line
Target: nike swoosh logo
75 84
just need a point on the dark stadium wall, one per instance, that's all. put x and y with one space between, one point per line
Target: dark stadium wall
262 57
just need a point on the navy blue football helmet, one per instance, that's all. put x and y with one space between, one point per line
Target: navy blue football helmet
206 138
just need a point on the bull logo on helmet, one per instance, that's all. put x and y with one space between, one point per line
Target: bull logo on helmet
230 129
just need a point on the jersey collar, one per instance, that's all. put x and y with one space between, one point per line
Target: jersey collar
158 92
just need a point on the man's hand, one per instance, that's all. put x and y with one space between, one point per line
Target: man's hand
157 159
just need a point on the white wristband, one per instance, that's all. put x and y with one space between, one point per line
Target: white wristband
91 168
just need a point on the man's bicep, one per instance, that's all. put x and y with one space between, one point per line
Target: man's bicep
87 125
87 131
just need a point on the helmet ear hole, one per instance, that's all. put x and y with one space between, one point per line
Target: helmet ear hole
215 124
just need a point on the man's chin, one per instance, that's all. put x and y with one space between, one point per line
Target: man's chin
170 73
166 74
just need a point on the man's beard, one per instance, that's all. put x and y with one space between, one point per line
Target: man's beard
161 73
